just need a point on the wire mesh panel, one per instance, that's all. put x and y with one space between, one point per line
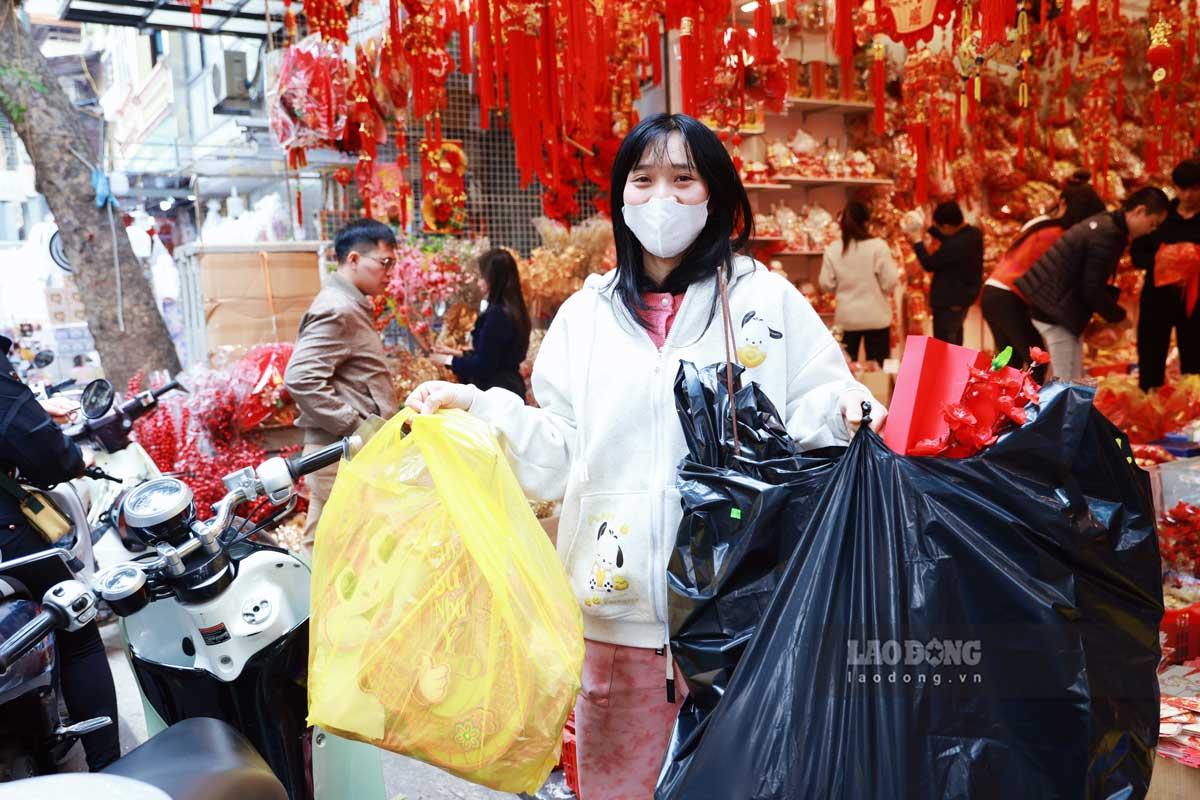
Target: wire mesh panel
497 206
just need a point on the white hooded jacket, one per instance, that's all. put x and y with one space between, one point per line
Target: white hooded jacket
606 438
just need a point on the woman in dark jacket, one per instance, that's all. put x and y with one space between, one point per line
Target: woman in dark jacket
501 335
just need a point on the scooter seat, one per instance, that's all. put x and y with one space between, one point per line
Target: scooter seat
201 759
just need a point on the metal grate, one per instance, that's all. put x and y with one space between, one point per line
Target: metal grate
497 206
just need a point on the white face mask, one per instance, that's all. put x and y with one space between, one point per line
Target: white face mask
664 226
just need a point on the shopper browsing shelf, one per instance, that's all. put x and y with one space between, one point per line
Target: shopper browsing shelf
338 374
1071 281
606 439
957 269
1004 307
1171 307
500 338
860 272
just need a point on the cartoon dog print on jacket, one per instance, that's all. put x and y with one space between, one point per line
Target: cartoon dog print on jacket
607 563
755 336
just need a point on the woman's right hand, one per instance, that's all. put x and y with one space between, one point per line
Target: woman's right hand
433 395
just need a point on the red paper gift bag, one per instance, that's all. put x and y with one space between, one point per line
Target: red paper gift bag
932 374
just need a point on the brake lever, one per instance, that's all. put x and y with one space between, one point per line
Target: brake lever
98 474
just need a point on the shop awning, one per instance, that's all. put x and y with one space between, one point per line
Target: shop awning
244 18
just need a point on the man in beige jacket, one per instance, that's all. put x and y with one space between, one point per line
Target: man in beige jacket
339 375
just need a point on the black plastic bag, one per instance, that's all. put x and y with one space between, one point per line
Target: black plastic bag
736 535
976 628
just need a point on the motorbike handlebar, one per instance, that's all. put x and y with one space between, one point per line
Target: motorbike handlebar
326 456
55 388
27 638
169 387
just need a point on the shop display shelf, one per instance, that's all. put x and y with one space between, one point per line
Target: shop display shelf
813 105
819 182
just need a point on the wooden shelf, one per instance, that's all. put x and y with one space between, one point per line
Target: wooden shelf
816 183
767 239
800 253
812 105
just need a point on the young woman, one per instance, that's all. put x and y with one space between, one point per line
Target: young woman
606 439
1004 307
501 334
860 271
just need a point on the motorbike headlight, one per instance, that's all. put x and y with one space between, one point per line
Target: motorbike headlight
123 587
160 510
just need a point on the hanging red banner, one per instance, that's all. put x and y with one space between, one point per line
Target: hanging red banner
443 186
913 21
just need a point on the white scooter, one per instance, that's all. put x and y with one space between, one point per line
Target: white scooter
216 625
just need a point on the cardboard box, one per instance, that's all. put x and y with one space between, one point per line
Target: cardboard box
251 275
1174 781
245 323
256 297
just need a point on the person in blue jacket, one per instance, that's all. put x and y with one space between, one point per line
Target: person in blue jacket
501 335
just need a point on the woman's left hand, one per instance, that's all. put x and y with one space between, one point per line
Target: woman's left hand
852 411
441 359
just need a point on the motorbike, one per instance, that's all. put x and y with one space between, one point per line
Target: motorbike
199 759
121 464
216 624
33 736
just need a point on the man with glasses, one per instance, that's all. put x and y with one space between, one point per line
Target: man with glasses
339 375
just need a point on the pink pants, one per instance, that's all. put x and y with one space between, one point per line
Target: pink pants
623 721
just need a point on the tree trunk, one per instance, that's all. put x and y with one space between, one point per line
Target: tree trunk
53 133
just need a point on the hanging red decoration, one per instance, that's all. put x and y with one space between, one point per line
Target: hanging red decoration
843 44
910 22
996 16
443 186
878 80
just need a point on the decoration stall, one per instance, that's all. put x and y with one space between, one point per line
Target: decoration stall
903 103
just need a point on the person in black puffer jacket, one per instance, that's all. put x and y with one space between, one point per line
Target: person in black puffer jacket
957 269
1070 282
501 335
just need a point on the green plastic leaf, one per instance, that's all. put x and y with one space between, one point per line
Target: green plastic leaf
1002 358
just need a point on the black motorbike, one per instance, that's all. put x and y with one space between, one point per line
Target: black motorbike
38 594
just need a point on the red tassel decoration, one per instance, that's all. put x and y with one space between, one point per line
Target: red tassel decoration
487 78
687 65
919 133
878 76
654 49
996 17
464 43
1093 17
843 44
763 34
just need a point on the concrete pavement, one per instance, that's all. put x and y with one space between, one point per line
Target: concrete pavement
404 778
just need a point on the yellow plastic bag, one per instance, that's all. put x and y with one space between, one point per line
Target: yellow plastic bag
443 626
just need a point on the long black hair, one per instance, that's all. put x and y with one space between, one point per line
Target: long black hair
730 217
855 217
499 269
1080 201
